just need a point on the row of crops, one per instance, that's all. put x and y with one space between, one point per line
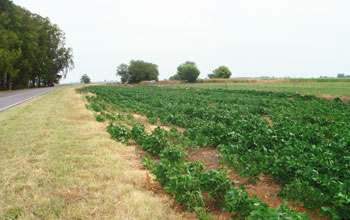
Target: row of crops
300 141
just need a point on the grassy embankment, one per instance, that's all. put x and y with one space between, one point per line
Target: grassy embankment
57 162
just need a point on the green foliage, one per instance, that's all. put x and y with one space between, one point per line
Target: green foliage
175 77
137 131
172 154
155 142
148 163
183 181
221 72
188 71
85 79
312 197
32 49
119 133
99 118
123 72
217 184
297 140
261 211
137 71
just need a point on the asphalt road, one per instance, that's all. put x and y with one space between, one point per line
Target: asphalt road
8 100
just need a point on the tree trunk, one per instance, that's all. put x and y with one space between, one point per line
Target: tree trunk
9 83
4 87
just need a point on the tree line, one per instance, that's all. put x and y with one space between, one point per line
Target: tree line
32 49
139 70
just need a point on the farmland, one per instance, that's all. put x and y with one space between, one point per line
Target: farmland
324 88
300 141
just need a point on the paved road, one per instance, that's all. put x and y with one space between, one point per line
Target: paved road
11 99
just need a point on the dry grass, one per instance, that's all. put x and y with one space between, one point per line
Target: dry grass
57 162
8 91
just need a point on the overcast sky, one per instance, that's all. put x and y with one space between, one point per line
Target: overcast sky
296 38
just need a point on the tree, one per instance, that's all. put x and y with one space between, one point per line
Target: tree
123 72
188 71
138 71
32 49
85 79
175 77
221 72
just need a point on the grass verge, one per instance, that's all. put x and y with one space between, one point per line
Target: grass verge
57 162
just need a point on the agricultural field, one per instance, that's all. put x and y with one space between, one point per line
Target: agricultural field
321 88
300 144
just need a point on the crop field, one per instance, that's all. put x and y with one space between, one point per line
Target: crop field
301 142
322 88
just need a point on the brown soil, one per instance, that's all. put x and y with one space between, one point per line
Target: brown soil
266 189
209 156
268 119
330 97
149 127
291 99
89 94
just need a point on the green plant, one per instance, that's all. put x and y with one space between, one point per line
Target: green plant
99 117
119 133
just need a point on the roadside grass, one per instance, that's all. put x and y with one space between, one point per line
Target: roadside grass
57 162
341 89
8 91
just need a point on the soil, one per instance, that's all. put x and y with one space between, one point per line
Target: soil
331 98
268 119
266 189
149 127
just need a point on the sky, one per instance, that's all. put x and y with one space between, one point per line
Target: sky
281 38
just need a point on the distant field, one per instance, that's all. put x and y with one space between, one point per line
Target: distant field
237 80
321 88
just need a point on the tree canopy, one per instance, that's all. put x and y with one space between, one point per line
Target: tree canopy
221 72
175 77
32 49
188 71
85 79
137 71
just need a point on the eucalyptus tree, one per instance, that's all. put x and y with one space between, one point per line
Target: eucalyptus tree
32 49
